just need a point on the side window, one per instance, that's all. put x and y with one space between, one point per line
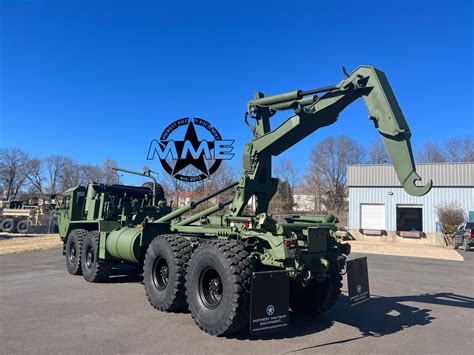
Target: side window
67 202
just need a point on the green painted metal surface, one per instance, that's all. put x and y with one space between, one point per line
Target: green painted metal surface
304 243
364 82
124 244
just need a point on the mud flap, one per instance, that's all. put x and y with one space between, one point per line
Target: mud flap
358 281
269 303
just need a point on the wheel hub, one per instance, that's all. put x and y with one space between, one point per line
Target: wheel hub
160 274
210 288
72 253
215 286
90 258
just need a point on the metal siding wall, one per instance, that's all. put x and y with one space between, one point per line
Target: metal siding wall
437 196
442 174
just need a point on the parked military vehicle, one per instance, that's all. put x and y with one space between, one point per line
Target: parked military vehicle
208 264
22 217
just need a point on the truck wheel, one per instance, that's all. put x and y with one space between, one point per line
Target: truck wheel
218 284
466 245
164 272
23 226
73 248
317 297
93 269
8 225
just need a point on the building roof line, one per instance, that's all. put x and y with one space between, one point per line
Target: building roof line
441 163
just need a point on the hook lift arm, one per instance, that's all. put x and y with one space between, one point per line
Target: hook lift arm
313 112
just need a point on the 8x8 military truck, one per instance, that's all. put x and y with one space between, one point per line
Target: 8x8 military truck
206 263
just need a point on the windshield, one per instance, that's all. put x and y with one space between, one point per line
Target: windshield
470 225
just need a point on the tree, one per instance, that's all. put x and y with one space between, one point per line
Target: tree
431 153
460 149
13 170
282 202
35 175
313 186
378 153
70 175
90 173
55 166
450 215
328 168
110 176
286 170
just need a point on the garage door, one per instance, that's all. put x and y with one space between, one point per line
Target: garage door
372 216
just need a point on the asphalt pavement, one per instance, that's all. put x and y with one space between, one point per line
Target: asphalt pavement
418 306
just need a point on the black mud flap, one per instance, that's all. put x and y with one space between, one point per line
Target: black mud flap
358 281
269 303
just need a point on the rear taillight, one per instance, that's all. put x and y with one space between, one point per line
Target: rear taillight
469 234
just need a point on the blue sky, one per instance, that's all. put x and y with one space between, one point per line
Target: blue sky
93 80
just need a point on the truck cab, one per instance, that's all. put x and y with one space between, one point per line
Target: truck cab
71 208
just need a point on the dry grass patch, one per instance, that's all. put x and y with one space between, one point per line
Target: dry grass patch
16 245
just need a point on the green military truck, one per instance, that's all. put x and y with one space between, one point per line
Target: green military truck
212 264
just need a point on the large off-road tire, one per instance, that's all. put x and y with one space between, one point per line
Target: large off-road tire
317 297
164 272
74 242
23 226
218 283
8 225
159 192
93 268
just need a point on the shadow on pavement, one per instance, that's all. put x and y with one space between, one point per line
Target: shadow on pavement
387 315
379 317
123 273
299 326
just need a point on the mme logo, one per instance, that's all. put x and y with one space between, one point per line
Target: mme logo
186 157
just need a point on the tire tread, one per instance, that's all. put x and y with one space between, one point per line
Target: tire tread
79 234
103 268
242 268
181 250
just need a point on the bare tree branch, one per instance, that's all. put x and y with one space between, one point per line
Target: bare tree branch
13 166
431 153
35 175
378 153
460 149
328 169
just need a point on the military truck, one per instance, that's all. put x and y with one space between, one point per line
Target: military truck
22 217
209 263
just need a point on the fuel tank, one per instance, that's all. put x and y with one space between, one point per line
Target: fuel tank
124 244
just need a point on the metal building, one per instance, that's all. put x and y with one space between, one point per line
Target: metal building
380 208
